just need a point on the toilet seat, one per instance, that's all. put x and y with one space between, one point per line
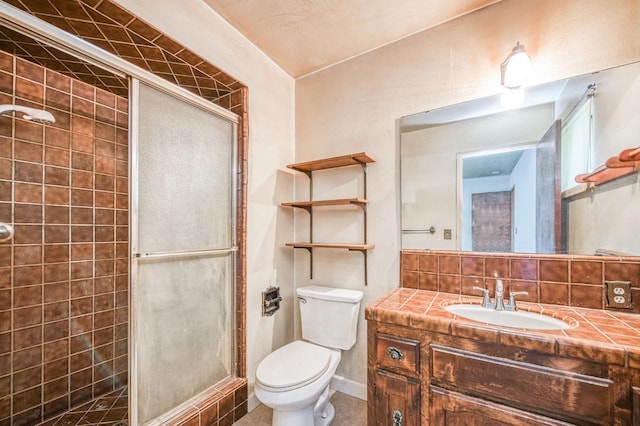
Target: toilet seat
293 366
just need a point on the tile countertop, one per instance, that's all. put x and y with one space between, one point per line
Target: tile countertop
603 336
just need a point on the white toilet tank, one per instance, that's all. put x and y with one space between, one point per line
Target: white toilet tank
329 315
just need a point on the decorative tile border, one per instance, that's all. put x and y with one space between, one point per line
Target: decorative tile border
221 405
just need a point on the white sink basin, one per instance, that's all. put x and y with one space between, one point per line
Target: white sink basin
517 319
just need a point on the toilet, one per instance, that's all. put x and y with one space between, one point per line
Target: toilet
294 379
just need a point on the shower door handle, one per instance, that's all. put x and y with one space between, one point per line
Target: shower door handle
6 232
168 254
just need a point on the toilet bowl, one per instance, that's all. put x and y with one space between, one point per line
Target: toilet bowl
294 379
294 382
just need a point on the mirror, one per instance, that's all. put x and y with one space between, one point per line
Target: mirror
487 176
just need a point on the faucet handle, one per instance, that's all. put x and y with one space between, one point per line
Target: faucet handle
486 300
512 298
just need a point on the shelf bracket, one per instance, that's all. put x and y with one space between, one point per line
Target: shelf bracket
364 174
364 211
364 253
363 206
306 208
310 250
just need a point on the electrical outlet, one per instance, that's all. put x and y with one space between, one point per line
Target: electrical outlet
618 294
447 234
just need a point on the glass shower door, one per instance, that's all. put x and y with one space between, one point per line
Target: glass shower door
183 251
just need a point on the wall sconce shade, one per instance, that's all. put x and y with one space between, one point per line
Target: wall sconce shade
515 69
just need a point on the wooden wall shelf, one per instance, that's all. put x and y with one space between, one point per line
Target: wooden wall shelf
357 247
626 163
359 158
604 174
321 203
308 167
631 154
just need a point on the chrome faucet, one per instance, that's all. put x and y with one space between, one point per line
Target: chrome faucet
512 300
486 299
498 304
499 293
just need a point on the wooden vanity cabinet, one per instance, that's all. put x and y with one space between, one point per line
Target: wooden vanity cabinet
394 375
448 408
420 377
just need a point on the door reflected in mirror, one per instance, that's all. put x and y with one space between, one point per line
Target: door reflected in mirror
437 146
498 200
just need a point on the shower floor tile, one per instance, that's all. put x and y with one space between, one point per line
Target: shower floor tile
107 410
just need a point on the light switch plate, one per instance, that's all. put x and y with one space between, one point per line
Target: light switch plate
618 294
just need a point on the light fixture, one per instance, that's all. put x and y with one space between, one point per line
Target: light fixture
515 69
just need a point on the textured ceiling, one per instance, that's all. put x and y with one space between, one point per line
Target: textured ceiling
303 36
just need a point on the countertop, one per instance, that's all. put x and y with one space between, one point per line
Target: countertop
599 335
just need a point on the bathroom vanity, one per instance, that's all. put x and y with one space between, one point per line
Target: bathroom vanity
427 366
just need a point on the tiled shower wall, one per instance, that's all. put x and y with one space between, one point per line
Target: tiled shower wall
558 279
64 276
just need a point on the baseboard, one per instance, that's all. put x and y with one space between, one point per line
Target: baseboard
349 387
253 402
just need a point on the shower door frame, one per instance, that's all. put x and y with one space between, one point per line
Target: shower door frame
134 255
49 34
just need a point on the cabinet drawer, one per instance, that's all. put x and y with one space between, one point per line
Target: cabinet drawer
561 394
397 354
449 408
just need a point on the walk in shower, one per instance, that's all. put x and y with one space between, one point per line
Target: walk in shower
121 296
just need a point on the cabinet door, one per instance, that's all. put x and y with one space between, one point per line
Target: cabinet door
448 408
396 400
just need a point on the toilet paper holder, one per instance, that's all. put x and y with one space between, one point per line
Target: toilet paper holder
271 301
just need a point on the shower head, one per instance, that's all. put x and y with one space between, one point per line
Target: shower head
31 114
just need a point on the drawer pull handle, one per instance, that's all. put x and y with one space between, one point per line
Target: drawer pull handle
396 354
397 418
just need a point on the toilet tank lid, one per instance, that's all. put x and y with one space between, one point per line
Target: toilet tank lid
330 293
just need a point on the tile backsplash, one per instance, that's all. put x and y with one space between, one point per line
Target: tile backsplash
558 279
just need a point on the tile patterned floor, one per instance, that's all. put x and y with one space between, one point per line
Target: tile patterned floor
350 411
108 410
111 410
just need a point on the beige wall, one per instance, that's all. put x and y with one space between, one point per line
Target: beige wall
271 126
354 107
